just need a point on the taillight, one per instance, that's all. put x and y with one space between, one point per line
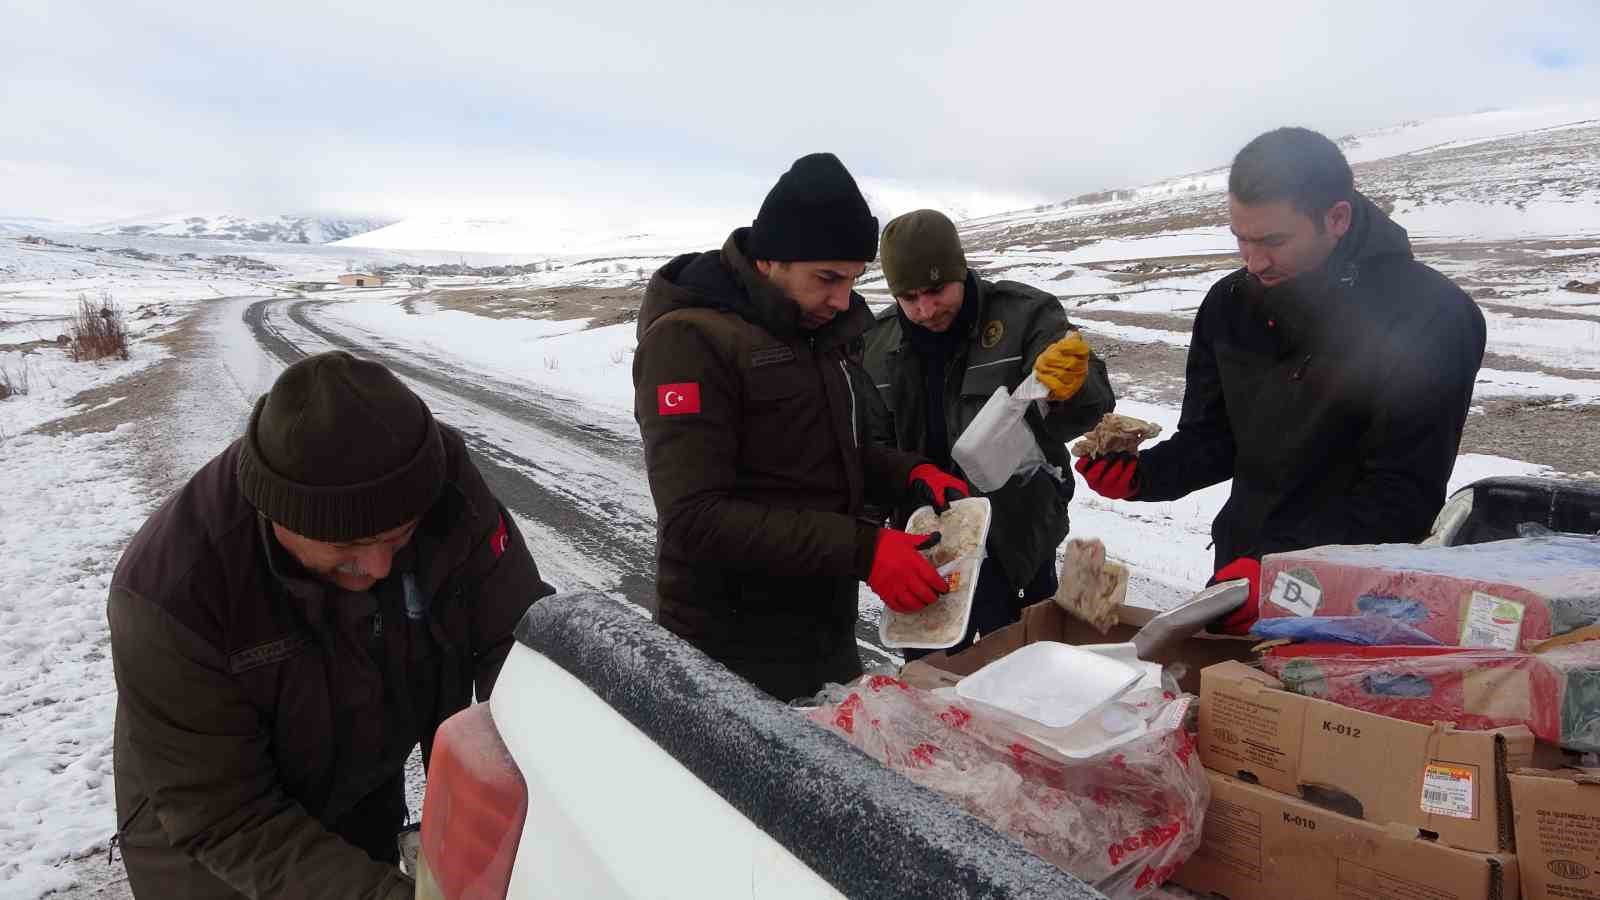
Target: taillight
473 812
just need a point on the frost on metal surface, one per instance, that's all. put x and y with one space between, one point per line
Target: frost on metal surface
868 831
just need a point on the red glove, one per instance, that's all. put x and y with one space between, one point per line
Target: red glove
1240 620
1114 476
901 575
937 488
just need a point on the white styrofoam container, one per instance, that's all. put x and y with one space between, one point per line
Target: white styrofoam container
968 566
1049 683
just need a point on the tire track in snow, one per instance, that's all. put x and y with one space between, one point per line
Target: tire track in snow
521 452
575 478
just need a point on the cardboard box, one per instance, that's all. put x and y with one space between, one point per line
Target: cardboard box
1448 784
1558 831
1262 845
1046 621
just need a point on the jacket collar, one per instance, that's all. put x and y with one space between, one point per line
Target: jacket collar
728 280
1297 311
966 328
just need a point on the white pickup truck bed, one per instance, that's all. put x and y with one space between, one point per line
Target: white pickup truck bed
653 772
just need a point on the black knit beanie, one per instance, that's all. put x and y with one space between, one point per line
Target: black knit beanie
814 212
340 450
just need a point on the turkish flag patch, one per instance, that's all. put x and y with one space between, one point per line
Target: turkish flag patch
500 538
679 399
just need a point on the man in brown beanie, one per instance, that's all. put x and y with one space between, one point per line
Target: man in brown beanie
936 357
288 627
754 422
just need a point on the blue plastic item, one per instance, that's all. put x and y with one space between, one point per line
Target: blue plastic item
1365 631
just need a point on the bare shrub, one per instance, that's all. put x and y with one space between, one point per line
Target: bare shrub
15 384
98 330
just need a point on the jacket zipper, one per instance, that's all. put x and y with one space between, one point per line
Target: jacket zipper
849 385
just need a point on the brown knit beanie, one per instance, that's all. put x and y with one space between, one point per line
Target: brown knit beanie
340 450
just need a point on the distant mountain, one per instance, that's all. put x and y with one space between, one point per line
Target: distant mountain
286 229
24 224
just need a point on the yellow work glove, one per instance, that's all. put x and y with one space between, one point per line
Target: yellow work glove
1063 365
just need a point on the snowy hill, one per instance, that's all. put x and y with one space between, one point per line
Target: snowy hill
643 234
539 236
289 229
1486 176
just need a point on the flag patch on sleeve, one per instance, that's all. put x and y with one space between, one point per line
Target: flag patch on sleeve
679 399
498 540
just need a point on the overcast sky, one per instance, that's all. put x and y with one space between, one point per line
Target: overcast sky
399 107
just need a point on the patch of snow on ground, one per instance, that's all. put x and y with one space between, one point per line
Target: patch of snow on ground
69 507
1479 221
560 357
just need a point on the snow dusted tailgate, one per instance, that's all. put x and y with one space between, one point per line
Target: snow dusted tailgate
867 831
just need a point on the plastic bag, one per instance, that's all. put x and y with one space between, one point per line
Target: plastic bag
1123 821
999 444
1358 630
1503 595
1555 693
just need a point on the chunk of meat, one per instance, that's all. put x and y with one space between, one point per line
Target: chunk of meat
1091 588
959 528
1115 434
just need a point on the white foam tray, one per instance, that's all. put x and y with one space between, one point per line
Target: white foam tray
968 565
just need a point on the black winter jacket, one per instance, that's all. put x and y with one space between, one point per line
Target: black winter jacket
1334 401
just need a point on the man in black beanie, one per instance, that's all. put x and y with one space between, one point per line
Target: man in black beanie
288 627
753 410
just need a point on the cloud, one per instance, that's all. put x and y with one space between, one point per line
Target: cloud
602 107
1556 58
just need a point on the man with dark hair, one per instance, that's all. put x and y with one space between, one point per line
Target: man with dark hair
1330 377
288 627
753 413
937 355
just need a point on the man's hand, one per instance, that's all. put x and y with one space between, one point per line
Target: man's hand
901 575
1063 366
937 488
1114 476
1240 620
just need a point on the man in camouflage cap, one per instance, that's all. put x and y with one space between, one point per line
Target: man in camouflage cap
938 354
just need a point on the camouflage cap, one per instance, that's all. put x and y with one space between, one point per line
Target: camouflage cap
921 250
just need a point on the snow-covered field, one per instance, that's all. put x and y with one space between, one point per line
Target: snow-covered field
1506 203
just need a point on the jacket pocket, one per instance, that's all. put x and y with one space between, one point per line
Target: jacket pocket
980 381
774 386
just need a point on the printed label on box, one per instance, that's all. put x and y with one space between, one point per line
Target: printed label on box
1491 623
1447 790
1300 596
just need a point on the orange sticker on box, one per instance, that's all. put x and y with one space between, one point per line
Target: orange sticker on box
1447 790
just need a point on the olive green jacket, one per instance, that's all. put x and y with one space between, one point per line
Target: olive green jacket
1015 323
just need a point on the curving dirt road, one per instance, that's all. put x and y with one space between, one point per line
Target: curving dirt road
579 482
